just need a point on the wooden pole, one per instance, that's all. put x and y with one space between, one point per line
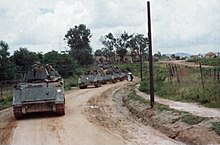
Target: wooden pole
150 57
200 66
177 75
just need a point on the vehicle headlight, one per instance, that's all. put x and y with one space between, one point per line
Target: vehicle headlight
59 91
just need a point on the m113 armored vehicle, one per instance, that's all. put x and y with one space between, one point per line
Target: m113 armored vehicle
91 77
39 92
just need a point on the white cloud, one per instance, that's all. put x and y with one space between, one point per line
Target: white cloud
182 25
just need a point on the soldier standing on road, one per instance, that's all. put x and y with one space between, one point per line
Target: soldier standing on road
129 75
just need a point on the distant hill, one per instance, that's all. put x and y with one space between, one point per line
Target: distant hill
181 54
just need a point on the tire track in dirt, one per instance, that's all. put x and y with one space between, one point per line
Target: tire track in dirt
7 126
109 113
73 128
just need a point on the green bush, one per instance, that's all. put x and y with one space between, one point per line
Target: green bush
5 102
216 127
162 107
192 119
70 82
145 86
135 97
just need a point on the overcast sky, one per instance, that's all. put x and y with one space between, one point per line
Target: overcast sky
178 25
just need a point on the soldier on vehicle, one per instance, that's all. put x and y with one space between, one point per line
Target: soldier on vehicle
38 66
51 71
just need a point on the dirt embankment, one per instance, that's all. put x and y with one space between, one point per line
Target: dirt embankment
170 123
107 110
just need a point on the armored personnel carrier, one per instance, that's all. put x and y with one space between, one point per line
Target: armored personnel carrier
91 77
109 76
122 74
118 74
41 91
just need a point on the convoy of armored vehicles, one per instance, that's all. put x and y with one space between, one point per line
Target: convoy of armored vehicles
101 75
91 77
42 90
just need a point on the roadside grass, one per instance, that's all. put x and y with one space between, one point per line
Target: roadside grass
6 96
5 102
189 89
70 82
216 127
133 96
183 116
192 119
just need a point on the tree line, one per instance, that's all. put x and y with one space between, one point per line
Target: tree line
135 44
79 55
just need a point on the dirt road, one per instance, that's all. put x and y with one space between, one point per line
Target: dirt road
93 117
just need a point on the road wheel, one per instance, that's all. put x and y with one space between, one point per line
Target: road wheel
82 87
60 109
18 112
104 82
97 84
114 81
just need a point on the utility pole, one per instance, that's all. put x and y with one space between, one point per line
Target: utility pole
150 57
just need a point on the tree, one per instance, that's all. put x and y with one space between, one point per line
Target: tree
63 63
138 44
158 54
173 56
4 54
109 42
7 68
24 58
78 40
98 52
122 43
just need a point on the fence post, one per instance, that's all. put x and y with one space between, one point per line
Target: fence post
177 75
214 74
210 73
173 70
218 77
170 73
203 86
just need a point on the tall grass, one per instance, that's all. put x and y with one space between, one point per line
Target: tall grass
189 90
5 102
